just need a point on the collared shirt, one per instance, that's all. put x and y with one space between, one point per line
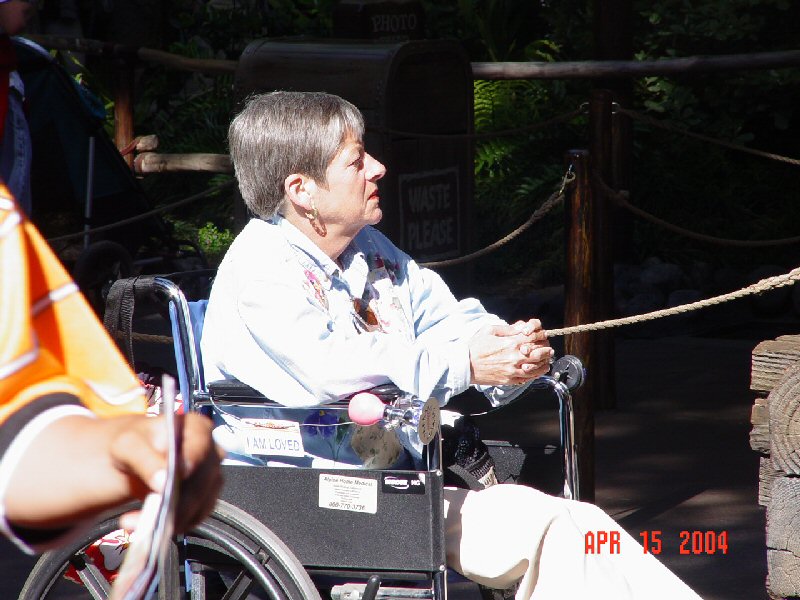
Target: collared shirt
281 319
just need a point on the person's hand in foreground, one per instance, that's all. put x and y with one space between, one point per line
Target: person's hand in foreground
509 354
80 466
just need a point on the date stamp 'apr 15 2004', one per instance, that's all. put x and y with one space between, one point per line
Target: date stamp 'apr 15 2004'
689 542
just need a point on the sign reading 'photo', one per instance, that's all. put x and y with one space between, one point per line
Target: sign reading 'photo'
429 213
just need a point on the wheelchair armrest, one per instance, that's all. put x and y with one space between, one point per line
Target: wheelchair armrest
387 392
233 391
233 388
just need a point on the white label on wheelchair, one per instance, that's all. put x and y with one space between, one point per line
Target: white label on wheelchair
272 437
356 494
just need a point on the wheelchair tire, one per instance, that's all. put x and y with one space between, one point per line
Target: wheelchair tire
229 540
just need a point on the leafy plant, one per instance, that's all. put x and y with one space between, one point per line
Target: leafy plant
722 192
214 242
686 181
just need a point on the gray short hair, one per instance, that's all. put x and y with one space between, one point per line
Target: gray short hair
280 133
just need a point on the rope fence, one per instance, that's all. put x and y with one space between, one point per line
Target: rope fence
764 285
637 116
145 215
537 215
620 198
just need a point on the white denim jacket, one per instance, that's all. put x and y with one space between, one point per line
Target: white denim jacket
281 319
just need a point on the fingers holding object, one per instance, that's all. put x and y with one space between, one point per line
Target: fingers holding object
536 359
531 327
536 352
201 474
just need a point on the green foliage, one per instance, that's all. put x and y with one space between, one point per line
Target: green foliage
704 187
515 174
685 181
681 28
728 104
495 30
294 17
210 239
214 242
190 112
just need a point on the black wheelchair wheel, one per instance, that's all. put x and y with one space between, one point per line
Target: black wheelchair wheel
229 555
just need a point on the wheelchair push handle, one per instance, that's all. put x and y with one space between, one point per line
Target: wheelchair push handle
368 408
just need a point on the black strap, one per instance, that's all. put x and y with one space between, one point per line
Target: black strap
120 306
118 316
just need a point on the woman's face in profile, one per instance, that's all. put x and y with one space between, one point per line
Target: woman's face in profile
351 199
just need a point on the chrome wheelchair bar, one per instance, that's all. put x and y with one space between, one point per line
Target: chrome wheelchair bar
566 417
190 366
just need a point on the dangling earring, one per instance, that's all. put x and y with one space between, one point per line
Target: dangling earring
313 213
313 216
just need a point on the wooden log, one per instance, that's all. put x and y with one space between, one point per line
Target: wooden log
480 70
783 543
784 422
159 57
208 66
783 570
151 162
767 474
147 143
770 359
759 435
142 143
123 107
635 68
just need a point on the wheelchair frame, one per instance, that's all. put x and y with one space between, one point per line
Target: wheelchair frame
283 547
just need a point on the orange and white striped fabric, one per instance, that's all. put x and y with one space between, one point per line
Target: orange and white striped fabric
55 356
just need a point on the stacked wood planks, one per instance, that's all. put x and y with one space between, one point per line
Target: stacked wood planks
775 378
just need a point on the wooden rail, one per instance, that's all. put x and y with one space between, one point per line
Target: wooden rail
623 69
589 69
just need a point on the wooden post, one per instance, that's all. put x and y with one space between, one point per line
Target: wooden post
579 308
602 244
613 40
622 177
123 108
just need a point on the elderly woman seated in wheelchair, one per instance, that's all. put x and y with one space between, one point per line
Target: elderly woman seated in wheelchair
312 304
310 307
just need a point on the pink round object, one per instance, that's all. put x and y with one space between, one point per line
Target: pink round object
365 409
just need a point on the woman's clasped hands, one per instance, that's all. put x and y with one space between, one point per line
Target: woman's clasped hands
509 354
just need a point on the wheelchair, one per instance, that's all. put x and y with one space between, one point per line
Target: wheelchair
367 523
